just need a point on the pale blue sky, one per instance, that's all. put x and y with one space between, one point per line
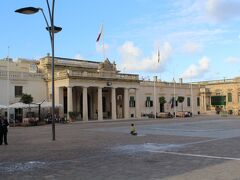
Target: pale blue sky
198 39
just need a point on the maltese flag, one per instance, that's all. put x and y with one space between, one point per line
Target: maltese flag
158 56
100 34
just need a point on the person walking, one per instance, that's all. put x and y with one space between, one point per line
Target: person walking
133 130
3 130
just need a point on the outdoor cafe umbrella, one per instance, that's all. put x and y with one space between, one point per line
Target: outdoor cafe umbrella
46 104
22 105
3 107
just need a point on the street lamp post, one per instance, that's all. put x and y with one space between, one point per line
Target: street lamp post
174 94
51 29
192 102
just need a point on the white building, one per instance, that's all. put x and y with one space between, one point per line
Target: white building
94 90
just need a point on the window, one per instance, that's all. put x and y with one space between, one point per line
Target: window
131 101
18 91
229 97
149 102
198 101
188 101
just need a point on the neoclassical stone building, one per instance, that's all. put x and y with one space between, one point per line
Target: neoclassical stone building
224 94
97 90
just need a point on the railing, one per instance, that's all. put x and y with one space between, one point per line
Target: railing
166 84
21 75
97 75
76 63
69 62
217 81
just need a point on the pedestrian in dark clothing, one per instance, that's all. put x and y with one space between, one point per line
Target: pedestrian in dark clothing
3 131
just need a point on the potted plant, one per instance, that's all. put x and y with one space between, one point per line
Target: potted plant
73 115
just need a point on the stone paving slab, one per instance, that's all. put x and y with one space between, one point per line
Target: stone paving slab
106 151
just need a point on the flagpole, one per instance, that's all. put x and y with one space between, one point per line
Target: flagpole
154 95
101 36
8 79
155 80
174 94
192 94
104 55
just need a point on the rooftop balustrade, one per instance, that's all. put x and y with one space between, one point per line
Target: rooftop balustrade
20 75
106 75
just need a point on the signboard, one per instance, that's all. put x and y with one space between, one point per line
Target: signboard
218 100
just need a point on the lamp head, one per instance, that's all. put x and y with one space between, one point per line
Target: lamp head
56 29
27 10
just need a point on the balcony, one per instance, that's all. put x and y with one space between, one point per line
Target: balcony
102 75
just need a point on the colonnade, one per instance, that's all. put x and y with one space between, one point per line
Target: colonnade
99 102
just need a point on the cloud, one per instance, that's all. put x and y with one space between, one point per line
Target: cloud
232 60
201 35
128 50
133 60
99 47
197 71
192 47
221 10
78 56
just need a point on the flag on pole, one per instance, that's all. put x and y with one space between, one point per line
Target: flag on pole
158 56
100 34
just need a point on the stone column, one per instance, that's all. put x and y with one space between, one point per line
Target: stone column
126 103
114 115
77 100
57 94
85 104
205 102
59 99
61 95
100 108
137 103
69 100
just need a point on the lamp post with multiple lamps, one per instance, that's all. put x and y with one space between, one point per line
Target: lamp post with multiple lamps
52 30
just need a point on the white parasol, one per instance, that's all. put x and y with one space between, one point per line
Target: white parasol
22 105
3 107
46 104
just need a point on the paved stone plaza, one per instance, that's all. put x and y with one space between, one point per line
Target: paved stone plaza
203 147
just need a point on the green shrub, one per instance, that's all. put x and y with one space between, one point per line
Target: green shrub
73 115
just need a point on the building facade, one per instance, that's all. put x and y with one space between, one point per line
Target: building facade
220 94
18 77
95 90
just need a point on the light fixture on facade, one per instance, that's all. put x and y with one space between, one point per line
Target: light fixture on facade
109 83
